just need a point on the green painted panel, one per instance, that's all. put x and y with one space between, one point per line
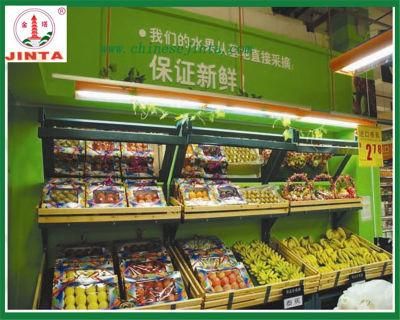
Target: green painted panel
307 83
304 81
24 187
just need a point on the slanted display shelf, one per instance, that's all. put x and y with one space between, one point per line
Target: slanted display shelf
95 215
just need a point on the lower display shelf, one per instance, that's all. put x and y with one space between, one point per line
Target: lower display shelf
93 215
320 205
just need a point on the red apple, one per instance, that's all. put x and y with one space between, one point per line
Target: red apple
218 289
234 285
227 287
216 282
224 281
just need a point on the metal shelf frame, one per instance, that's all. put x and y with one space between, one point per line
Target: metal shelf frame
177 138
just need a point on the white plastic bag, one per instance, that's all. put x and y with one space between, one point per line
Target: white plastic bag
371 295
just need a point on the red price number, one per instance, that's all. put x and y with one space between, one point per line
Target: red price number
373 148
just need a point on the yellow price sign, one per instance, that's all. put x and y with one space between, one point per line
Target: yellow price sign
370 146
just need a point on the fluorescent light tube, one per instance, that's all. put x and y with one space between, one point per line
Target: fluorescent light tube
329 122
102 96
370 59
241 110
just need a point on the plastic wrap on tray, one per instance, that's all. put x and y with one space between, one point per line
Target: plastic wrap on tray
136 149
106 194
215 169
151 196
157 290
146 250
63 195
228 194
198 194
203 244
192 170
83 252
140 182
70 274
145 269
238 155
69 146
137 166
210 153
224 279
102 158
63 265
69 164
90 291
261 195
212 259
137 159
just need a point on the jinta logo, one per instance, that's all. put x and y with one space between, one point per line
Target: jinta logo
34 28
36 34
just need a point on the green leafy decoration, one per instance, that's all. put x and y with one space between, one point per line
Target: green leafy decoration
287 134
286 122
145 110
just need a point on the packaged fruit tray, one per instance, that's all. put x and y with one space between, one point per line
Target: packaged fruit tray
192 302
42 296
360 255
232 210
247 297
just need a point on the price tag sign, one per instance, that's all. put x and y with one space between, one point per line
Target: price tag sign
357 278
370 152
293 298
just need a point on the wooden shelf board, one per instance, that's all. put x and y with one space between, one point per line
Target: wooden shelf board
235 214
54 219
107 211
320 205
324 202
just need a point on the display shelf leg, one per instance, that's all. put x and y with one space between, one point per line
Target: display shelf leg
169 232
266 226
341 166
336 217
271 168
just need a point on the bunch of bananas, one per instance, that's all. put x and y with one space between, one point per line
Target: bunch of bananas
265 264
334 252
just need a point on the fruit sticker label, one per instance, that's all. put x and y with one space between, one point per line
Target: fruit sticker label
369 146
36 34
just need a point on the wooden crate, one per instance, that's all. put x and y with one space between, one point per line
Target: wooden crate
318 205
242 298
88 215
232 210
193 303
341 277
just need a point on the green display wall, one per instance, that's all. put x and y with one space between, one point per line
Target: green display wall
305 83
